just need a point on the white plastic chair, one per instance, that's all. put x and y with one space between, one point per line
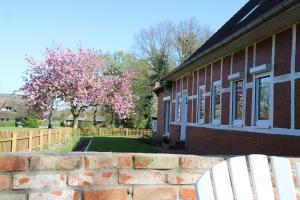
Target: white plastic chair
248 178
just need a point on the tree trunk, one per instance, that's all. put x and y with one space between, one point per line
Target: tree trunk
50 118
75 121
95 116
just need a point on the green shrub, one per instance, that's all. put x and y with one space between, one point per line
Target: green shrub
30 121
9 123
152 140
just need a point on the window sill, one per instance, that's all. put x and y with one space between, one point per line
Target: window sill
262 127
236 125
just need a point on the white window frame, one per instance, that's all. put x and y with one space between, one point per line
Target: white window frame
262 123
178 99
213 120
234 121
165 133
199 120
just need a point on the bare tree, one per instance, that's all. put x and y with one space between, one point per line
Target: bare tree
155 46
188 37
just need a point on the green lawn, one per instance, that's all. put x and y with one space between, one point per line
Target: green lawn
120 144
16 128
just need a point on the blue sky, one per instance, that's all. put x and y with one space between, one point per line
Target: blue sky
27 27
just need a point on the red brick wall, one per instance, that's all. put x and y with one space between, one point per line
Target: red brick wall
282 105
207 110
283 51
208 78
226 71
178 85
248 107
201 80
184 83
174 133
264 52
216 74
238 62
195 82
189 110
225 142
225 108
194 110
190 84
250 63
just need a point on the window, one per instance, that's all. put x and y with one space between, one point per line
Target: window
201 104
238 98
178 107
216 102
167 117
263 100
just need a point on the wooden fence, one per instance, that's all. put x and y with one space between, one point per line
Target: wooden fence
116 131
23 140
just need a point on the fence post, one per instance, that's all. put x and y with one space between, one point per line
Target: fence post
30 141
126 131
41 139
14 142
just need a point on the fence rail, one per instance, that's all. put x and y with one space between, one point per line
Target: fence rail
116 131
28 140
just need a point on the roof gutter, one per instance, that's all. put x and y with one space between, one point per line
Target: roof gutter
251 26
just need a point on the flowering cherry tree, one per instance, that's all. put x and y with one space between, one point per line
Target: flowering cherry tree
75 77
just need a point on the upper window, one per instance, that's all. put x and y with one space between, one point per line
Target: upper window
201 104
263 100
216 102
238 98
178 107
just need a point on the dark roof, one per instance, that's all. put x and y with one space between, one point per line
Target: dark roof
249 13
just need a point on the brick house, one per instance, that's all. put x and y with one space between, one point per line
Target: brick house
239 93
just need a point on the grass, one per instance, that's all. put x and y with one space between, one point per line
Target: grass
120 144
16 129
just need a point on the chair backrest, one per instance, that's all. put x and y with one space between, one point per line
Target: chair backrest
247 178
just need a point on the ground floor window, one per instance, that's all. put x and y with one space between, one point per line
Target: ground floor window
238 101
167 118
262 100
201 104
216 102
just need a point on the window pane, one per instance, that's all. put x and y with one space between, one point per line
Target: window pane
238 100
217 100
201 105
263 97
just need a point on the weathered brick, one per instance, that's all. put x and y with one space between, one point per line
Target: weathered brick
4 182
99 162
124 161
154 193
141 177
156 162
196 162
37 181
13 196
106 162
13 163
106 194
187 193
55 162
178 178
85 178
55 195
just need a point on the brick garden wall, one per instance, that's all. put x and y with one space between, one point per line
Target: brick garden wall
100 176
